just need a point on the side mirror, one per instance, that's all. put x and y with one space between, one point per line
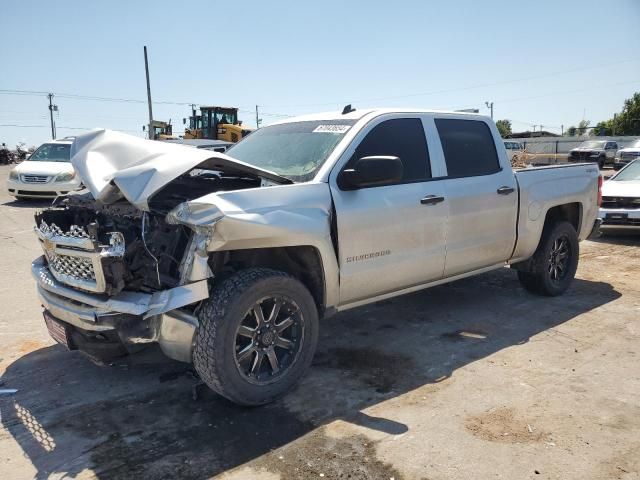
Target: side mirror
375 171
184 121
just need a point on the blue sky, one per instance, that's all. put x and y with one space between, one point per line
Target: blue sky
542 62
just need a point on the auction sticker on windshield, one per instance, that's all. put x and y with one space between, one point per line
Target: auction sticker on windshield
331 128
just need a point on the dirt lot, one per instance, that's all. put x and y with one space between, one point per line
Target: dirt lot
472 380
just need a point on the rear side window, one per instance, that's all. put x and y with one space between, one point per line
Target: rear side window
403 138
469 149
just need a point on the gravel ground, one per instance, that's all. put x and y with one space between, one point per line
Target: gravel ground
475 379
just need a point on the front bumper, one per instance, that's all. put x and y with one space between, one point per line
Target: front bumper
583 156
134 317
619 218
50 189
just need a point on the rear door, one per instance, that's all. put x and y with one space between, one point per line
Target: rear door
390 237
481 194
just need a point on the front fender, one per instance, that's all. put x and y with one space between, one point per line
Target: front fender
269 217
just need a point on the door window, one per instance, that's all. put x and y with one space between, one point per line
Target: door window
468 146
403 138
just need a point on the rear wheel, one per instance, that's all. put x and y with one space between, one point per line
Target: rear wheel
257 336
601 162
554 264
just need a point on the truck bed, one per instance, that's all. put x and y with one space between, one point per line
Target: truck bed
542 188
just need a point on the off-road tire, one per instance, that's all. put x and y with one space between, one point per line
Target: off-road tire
537 278
602 161
220 316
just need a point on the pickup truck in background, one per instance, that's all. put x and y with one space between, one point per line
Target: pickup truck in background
601 152
229 260
626 155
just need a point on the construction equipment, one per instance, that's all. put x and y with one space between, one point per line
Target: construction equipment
216 123
161 130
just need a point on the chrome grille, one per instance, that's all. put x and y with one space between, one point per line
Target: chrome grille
35 178
629 155
74 232
629 203
77 267
75 257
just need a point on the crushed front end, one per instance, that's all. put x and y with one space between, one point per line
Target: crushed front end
114 278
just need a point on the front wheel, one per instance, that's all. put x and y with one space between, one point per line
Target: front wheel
257 336
554 262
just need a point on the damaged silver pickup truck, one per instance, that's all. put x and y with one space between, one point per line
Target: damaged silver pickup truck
229 261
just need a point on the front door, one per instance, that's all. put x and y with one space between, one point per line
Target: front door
389 236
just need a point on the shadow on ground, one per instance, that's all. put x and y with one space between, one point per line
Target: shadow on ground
619 237
139 417
28 203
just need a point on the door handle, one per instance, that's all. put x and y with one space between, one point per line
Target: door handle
431 200
505 190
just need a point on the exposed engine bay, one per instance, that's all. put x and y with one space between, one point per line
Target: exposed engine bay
153 250
197 183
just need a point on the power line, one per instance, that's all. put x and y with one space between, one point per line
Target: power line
73 96
419 94
551 94
471 87
58 126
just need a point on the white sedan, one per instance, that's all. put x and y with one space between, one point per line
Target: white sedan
47 173
621 199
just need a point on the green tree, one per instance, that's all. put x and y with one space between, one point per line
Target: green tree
627 122
504 127
602 128
582 127
571 131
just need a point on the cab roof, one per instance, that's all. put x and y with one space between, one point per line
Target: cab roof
372 112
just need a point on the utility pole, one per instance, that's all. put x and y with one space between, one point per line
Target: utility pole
490 105
146 69
258 119
52 108
562 130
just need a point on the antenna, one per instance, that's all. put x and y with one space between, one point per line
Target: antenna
347 109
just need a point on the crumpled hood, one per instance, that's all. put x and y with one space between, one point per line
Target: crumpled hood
113 164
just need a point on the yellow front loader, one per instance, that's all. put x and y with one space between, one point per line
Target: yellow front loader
216 123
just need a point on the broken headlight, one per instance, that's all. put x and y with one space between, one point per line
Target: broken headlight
193 213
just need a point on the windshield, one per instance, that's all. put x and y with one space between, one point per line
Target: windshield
292 150
52 152
630 173
592 144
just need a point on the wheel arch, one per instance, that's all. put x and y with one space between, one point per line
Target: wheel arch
302 262
570 212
